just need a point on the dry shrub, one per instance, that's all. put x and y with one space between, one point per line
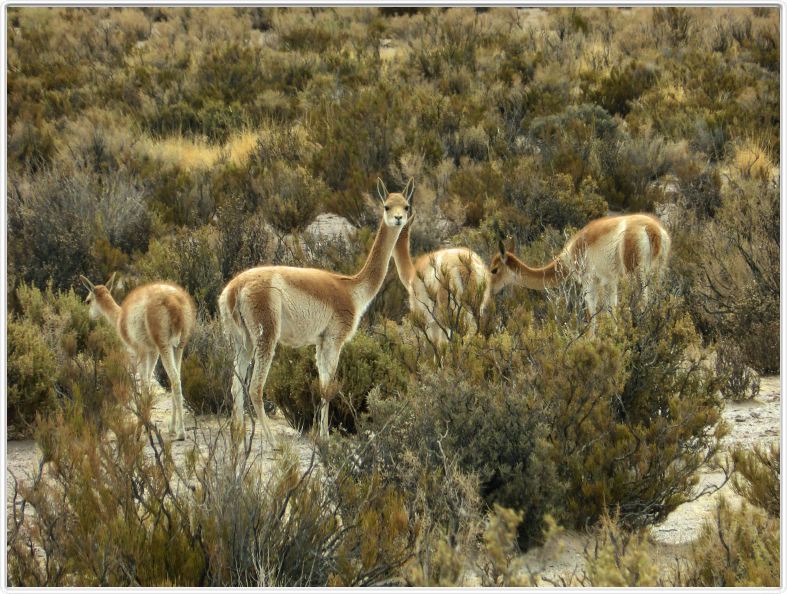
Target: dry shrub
56 220
119 512
737 272
738 380
737 548
620 558
758 477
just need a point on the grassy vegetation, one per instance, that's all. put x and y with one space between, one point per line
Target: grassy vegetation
188 144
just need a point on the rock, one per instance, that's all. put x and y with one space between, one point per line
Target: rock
329 226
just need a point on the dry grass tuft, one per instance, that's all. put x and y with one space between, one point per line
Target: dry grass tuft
191 154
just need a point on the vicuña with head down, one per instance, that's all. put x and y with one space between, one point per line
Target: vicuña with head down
296 307
597 257
154 320
439 283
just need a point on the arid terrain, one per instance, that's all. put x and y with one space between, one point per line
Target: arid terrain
751 423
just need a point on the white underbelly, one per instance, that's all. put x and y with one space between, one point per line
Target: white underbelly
303 325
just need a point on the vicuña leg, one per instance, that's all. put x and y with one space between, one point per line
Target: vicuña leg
168 359
146 362
328 352
267 338
242 360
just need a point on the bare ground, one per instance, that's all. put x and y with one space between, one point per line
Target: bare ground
751 423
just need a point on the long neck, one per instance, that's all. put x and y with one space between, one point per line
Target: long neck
370 278
401 256
108 306
536 278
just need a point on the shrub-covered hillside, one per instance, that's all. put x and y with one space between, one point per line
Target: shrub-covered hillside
188 144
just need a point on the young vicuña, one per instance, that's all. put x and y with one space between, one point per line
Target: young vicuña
438 282
155 320
296 307
597 257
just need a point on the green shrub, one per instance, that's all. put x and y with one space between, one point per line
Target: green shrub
364 365
290 196
31 376
188 258
59 357
624 85
207 369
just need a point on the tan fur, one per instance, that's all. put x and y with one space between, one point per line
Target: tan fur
264 306
154 320
598 256
425 279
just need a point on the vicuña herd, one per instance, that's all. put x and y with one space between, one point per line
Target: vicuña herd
262 307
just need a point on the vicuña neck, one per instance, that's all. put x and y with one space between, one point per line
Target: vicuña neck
370 278
401 255
536 278
108 307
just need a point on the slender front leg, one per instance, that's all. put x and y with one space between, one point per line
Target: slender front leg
327 360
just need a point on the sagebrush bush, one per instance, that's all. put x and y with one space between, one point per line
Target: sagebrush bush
208 369
757 477
59 357
739 547
31 369
116 512
738 380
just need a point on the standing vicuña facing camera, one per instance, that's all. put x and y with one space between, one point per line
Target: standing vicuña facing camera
296 307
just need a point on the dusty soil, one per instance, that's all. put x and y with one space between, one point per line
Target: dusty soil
751 423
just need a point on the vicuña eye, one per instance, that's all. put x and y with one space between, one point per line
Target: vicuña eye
406 208
494 271
387 208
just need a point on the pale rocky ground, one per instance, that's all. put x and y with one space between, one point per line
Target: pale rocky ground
751 423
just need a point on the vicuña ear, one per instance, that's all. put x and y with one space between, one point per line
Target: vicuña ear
110 284
511 244
88 285
382 191
409 190
501 247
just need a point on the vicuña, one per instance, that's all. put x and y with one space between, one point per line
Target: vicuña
438 283
296 307
155 320
597 257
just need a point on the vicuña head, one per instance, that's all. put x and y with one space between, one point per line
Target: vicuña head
397 205
442 283
267 305
503 270
99 297
154 320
